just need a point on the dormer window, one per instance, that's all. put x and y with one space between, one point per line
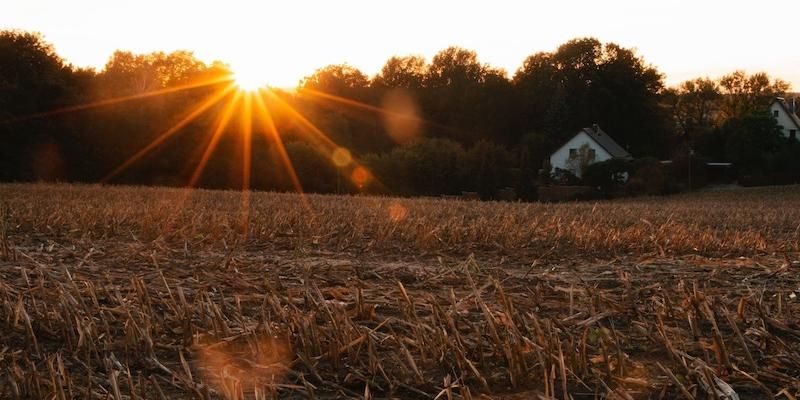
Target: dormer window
775 113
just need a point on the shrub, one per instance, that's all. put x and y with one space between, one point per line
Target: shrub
648 176
488 168
565 177
314 170
426 167
606 176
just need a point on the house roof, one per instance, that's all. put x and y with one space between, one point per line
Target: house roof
607 143
789 112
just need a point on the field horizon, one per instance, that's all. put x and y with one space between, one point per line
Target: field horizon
147 292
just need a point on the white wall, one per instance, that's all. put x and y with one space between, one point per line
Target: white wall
784 120
560 157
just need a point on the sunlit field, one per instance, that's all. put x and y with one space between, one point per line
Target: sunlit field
154 293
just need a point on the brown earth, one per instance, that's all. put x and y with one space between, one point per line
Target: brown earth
113 292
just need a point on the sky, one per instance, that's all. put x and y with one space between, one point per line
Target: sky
283 41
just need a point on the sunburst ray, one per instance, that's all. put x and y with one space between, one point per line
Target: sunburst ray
316 94
216 136
196 112
247 133
328 146
271 133
122 99
220 123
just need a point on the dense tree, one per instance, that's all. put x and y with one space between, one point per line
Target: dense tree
34 79
784 165
314 170
32 76
467 99
744 94
454 124
426 167
127 73
750 140
338 80
402 72
694 105
339 100
488 166
585 82
142 119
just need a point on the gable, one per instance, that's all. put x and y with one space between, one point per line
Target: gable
786 118
579 140
598 140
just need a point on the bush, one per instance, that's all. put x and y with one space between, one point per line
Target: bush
545 177
314 170
750 140
488 168
648 176
606 176
565 177
426 167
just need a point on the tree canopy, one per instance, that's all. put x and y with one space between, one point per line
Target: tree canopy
422 127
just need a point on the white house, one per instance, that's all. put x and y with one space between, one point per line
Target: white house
600 147
787 119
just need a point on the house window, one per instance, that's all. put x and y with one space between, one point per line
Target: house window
775 113
793 134
592 154
573 153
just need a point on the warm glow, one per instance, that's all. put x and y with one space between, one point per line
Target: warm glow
249 78
289 40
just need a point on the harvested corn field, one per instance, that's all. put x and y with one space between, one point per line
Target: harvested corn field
153 293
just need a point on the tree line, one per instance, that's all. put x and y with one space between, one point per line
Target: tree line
421 128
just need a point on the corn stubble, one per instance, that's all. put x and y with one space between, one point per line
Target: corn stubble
153 293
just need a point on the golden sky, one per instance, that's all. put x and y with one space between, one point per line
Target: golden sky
286 40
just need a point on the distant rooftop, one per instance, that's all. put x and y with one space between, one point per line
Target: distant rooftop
606 142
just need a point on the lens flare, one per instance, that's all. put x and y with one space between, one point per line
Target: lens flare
397 212
341 157
360 176
402 121
242 365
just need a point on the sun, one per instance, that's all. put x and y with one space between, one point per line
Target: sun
249 79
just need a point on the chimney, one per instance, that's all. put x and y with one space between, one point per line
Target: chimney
794 105
596 128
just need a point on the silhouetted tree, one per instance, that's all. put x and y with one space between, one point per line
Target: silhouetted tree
470 99
314 169
488 167
750 140
426 167
338 80
452 120
34 79
127 73
694 105
402 72
597 83
338 99
744 94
